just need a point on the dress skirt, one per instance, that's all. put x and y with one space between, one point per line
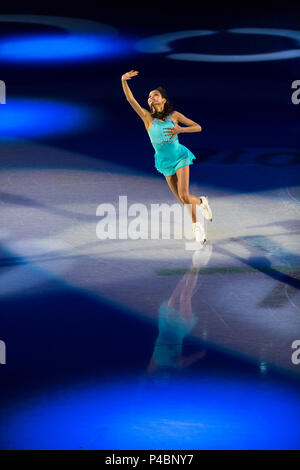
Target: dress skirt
170 157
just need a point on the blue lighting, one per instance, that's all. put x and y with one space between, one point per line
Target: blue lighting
208 413
62 47
161 43
39 117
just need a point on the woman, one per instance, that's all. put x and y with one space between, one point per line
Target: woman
172 159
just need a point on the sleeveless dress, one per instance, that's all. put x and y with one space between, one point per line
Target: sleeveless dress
169 154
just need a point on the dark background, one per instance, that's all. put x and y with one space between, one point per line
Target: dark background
239 105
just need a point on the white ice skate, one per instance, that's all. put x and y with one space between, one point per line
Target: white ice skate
199 232
205 209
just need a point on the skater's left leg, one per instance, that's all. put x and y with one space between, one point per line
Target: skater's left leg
172 182
183 175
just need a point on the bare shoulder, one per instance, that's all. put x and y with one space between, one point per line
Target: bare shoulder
147 114
174 116
147 118
179 117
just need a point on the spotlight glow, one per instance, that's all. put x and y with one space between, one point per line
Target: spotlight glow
207 413
62 47
39 117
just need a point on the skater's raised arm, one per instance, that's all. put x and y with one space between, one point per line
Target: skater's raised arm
143 113
192 125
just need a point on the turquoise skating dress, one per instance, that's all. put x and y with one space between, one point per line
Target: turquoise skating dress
169 154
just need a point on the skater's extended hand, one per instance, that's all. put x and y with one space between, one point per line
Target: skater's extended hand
129 75
173 130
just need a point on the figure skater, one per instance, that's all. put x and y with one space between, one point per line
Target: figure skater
172 159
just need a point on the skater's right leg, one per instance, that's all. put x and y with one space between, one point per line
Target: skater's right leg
172 182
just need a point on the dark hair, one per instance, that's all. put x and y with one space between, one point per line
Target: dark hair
168 107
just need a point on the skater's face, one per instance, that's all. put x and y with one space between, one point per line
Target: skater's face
155 100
